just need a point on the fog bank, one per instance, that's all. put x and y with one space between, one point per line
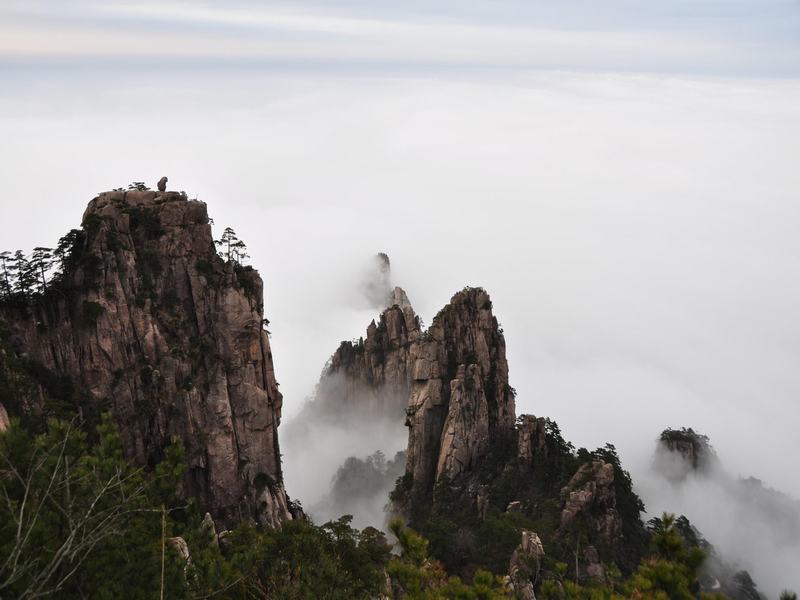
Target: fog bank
750 525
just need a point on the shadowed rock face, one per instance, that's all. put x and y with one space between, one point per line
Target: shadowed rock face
158 329
683 451
460 396
373 375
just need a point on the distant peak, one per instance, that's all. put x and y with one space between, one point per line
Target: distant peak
383 262
376 285
399 298
692 449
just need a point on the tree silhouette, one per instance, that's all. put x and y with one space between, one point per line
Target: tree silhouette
5 278
233 249
41 262
23 276
66 247
239 252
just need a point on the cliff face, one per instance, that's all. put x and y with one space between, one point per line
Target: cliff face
531 439
149 323
460 396
473 466
372 376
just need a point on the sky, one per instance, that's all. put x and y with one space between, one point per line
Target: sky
620 176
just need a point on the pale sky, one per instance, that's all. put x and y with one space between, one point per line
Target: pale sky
621 176
756 38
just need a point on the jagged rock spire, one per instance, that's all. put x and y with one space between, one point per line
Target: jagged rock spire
460 397
373 375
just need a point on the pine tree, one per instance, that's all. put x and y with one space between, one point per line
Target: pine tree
239 251
23 276
5 278
66 248
233 249
41 262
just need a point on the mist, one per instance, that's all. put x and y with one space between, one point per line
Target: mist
640 269
344 450
751 526
624 185
361 489
317 443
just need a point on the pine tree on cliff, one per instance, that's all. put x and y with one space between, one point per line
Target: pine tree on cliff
234 249
23 276
66 247
5 278
41 262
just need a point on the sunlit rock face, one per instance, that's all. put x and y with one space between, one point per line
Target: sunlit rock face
525 565
151 324
590 494
460 395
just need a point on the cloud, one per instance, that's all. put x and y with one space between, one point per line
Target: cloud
755 528
636 233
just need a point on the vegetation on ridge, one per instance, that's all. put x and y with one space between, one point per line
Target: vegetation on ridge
77 521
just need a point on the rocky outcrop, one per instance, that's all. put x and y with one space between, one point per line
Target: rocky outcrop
469 459
181 547
460 398
531 439
591 495
593 567
150 323
525 565
693 450
373 375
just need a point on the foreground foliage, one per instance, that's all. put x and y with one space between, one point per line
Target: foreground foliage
78 521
